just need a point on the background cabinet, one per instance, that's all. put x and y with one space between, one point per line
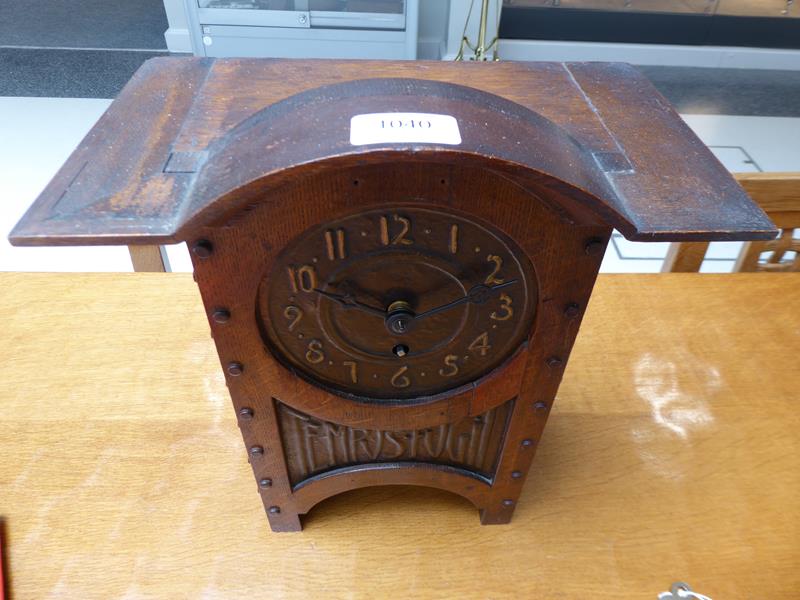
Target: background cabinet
304 28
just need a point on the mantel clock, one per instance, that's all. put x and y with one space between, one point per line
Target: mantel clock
394 257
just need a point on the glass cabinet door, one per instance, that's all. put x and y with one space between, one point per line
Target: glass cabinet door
358 6
750 8
255 4
759 8
369 14
357 14
668 6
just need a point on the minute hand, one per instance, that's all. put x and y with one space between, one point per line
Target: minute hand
478 294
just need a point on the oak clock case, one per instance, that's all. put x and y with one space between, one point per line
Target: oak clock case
400 311
415 233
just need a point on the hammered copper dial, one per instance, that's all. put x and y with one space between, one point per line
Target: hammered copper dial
399 302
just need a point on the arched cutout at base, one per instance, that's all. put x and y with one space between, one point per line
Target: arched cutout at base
469 485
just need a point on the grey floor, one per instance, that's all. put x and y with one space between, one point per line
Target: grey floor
67 73
68 49
729 91
138 24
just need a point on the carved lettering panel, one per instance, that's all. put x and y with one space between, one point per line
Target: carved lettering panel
314 446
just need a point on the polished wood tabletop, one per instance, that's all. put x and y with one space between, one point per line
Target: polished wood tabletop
672 454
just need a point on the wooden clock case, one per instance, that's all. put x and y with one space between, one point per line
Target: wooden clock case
239 157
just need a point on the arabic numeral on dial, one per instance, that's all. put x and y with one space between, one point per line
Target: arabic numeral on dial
493 279
450 362
334 244
353 370
302 279
400 239
480 344
400 379
294 314
505 312
314 353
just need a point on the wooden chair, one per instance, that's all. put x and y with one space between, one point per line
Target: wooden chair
149 259
778 194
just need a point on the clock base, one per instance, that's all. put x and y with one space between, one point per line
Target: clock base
284 522
478 457
290 522
497 516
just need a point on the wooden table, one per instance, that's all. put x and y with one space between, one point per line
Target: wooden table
672 454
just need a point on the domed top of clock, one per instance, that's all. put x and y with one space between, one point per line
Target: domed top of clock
192 141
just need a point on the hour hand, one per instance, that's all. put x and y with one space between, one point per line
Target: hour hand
348 301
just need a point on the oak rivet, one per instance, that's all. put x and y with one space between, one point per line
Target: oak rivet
246 413
594 247
274 510
221 315
554 361
508 502
203 248
572 309
256 450
265 483
527 443
516 474
235 369
540 407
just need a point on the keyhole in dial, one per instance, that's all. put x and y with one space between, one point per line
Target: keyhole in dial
400 350
399 317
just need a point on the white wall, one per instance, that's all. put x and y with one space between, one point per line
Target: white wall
177 36
433 19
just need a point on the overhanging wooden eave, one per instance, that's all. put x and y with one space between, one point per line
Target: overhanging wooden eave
162 195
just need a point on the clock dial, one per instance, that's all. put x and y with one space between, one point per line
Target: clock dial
397 303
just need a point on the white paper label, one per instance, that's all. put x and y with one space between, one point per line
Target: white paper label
382 128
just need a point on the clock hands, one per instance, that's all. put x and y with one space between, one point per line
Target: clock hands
348 301
399 317
477 294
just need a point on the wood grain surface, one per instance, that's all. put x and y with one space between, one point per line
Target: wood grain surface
600 132
778 195
671 454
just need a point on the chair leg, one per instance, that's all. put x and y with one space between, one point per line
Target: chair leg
149 259
684 257
747 260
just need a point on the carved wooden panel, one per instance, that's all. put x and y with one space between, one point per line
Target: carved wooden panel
313 446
